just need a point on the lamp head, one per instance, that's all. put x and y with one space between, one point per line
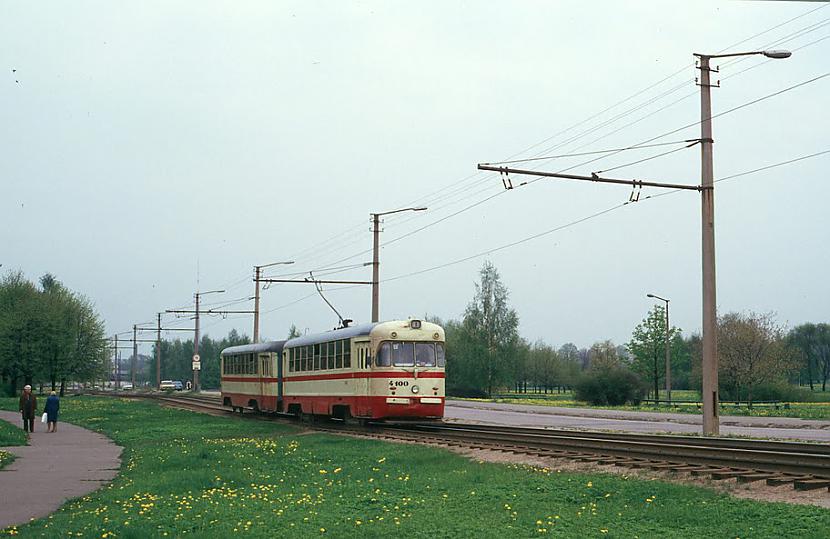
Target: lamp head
777 54
649 295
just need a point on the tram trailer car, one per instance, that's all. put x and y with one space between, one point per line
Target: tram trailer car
385 370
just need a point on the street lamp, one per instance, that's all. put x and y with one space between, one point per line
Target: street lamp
376 257
197 366
709 394
257 275
668 353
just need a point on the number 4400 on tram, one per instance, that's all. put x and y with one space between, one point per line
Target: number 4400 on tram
385 370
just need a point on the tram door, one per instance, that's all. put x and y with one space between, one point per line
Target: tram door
362 382
264 363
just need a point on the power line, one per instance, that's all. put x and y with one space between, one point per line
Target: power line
580 154
643 160
459 188
589 217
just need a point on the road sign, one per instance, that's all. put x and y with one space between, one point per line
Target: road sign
196 358
197 366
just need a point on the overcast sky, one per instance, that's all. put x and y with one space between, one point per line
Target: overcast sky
146 143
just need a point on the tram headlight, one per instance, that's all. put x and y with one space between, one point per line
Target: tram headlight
415 389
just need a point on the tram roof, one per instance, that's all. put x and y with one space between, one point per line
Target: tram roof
333 335
270 346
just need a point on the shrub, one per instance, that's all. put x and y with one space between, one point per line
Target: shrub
612 386
780 391
466 392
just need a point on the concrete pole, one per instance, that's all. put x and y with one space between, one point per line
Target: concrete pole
158 353
376 268
709 395
668 356
135 355
257 270
196 347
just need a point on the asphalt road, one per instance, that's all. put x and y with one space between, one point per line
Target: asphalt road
525 415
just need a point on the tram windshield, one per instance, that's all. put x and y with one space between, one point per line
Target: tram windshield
410 354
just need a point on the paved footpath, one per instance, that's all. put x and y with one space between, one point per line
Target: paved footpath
52 469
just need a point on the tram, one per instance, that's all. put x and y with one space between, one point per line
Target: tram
377 371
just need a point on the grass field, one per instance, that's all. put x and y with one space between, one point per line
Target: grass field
11 434
190 474
820 409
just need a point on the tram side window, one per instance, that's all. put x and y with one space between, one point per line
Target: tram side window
338 354
347 354
385 355
439 353
424 354
316 357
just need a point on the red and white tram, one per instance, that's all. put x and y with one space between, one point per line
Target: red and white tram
386 370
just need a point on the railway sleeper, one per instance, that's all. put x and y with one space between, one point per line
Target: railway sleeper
662 466
720 476
811 484
644 464
758 476
784 479
691 468
707 471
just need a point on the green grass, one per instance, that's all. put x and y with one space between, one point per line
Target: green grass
190 474
6 458
820 409
11 434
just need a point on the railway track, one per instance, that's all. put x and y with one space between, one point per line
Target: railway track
802 465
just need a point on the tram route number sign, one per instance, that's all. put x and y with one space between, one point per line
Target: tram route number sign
197 362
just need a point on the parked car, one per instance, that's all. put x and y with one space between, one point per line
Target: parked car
178 384
127 386
167 384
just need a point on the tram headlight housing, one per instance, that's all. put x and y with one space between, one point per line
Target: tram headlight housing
415 389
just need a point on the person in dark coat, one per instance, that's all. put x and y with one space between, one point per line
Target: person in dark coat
53 404
28 407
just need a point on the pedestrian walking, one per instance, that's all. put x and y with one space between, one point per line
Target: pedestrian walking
53 404
28 407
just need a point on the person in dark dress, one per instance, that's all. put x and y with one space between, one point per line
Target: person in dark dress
28 406
53 404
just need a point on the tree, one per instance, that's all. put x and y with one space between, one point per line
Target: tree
293 332
492 327
603 354
648 348
751 351
812 341
48 334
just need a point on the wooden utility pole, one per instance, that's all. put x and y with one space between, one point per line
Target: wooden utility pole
375 266
257 274
257 280
135 355
117 365
197 365
376 258
158 353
